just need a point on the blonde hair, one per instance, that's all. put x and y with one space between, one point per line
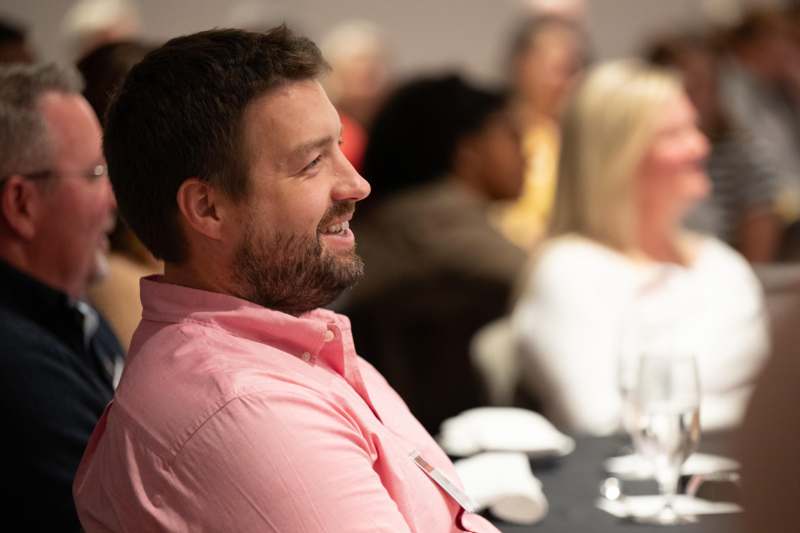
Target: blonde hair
607 127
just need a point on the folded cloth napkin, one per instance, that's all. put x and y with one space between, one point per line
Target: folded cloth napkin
643 506
503 483
502 429
636 467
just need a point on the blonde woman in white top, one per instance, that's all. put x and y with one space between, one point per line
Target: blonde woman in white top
618 262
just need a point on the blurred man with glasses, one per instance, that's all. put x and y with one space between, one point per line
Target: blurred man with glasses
59 360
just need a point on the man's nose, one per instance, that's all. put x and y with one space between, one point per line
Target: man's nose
351 185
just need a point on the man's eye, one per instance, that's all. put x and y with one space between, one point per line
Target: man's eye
317 160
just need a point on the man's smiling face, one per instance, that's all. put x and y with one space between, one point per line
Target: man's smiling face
295 250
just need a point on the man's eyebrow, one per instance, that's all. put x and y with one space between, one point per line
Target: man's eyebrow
317 144
310 146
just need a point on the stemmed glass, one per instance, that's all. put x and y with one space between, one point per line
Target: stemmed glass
666 425
627 370
648 326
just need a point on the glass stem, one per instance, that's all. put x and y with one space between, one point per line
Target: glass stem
668 482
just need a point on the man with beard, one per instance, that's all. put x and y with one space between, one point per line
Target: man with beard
58 358
244 406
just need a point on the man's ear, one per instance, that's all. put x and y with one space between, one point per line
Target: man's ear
203 207
21 205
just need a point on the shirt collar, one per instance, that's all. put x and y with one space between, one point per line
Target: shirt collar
319 335
166 302
91 321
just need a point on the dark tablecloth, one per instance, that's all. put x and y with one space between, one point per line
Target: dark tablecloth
571 486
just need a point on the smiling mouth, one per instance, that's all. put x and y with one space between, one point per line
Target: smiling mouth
336 229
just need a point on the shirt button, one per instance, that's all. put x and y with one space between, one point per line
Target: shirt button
306 357
328 335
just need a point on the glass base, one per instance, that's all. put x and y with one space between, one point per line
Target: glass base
665 517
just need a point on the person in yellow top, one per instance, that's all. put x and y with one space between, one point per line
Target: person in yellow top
547 55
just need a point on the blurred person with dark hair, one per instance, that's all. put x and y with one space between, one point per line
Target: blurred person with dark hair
117 294
440 152
546 56
14 45
104 68
617 264
60 360
244 406
741 208
760 63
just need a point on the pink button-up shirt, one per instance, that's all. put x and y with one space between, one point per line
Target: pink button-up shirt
233 417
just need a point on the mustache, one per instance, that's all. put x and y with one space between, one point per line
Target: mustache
337 210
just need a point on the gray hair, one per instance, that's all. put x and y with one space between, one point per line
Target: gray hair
24 141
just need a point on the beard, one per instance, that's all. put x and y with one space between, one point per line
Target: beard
293 273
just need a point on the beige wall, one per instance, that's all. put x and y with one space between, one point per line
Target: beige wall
425 34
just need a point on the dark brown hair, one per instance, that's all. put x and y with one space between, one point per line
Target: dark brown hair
179 115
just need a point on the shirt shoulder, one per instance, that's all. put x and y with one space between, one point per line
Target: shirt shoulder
727 274
717 258
573 263
181 375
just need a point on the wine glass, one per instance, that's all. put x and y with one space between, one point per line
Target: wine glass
643 330
627 370
667 424
649 325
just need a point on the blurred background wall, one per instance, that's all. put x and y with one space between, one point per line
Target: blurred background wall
423 34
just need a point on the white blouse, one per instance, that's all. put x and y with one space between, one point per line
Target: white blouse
583 300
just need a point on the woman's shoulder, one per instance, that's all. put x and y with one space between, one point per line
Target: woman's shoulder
575 264
724 271
717 257
575 251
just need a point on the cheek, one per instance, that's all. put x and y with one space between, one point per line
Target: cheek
101 208
89 202
659 163
79 212
668 162
299 210
668 179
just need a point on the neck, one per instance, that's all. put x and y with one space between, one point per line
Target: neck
658 241
194 276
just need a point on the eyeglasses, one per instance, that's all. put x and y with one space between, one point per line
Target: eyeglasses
96 172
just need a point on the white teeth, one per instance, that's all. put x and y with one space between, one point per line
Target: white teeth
338 228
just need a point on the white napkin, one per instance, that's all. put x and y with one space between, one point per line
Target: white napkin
643 506
635 467
502 429
503 482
